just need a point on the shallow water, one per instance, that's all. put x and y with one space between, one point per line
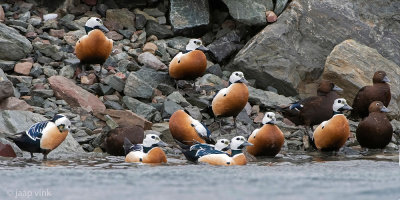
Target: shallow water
292 176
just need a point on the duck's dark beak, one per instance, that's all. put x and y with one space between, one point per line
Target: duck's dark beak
243 80
246 144
347 107
203 48
226 148
336 88
103 28
386 79
384 109
162 144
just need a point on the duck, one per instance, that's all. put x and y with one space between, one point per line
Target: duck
148 152
190 64
187 130
331 135
114 142
379 91
194 152
237 156
267 140
230 101
375 131
95 47
43 137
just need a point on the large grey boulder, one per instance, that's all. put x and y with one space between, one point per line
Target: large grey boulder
189 17
292 51
13 46
250 12
15 121
352 65
137 88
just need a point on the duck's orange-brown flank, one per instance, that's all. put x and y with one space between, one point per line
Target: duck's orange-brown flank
268 141
155 155
181 130
93 48
189 66
53 138
233 102
333 135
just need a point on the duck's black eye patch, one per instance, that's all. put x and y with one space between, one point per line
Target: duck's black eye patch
339 101
153 137
98 19
237 138
237 74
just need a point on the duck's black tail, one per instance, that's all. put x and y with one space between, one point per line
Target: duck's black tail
185 149
128 146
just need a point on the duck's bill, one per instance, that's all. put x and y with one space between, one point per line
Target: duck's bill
246 144
203 48
243 80
226 148
384 109
162 144
336 88
386 79
103 28
347 107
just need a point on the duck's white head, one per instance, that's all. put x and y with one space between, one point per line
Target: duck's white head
62 122
340 105
269 118
239 142
195 44
222 145
95 23
237 77
152 140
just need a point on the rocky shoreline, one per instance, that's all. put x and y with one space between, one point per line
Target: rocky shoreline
283 61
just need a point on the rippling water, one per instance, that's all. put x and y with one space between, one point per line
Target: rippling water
292 176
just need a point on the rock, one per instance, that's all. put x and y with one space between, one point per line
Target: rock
165 89
149 60
194 112
114 143
267 99
114 35
352 65
13 103
123 17
23 68
6 89
48 49
90 2
279 6
36 70
115 82
154 28
68 146
13 46
147 16
5 149
142 109
16 121
271 16
7 65
169 107
136 87
2 15
215 69
178 43
292 51
49 71
140 21
125 118
42 93
225 46
74 95
178 98
189 17
57 33
155 12
67 71
153 77
150 47
209 79
250 12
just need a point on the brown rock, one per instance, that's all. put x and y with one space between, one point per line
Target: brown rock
125 118
6 150
13 103
89 79
74 95
31 35
150 47
2 15
115 141
271 16
57 33
6 89
114 35
23 68
90 2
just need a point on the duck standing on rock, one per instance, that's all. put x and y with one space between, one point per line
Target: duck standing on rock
331 135
194 152
231 101
379 91
95 47
148 152
237 157
190 64
375 131
187 130
267 140
43 137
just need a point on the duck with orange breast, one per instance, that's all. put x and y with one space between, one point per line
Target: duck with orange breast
230 101
148 152
267 140
237 157
190 64
331 135
187 130
375 131
95 47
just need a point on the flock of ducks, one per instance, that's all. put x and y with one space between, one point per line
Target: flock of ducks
194 139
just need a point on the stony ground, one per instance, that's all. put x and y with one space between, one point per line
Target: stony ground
282 61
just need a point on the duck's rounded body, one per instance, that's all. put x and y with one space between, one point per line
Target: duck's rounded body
267 141
331 135
230 101
183 128
188 66
154 156
375 131
93 48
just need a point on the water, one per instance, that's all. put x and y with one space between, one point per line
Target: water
292 176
